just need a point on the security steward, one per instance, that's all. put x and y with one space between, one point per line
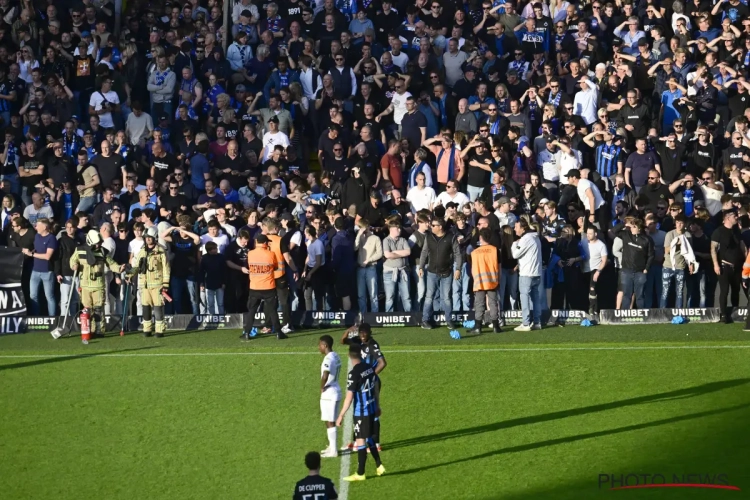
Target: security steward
485 269
262 265
91 258
153 282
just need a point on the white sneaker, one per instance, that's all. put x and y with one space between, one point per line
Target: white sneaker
522 328
328 453
286 329
536 327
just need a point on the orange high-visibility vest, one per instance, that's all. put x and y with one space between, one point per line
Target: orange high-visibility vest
485 268
746 267
262 265
274 245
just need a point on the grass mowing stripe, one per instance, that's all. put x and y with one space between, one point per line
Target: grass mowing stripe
347 457
93 354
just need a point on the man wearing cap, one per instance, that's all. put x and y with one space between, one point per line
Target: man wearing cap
93 261
466 86
153 272
274 110
273 138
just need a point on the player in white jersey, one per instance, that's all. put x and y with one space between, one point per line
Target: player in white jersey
330 392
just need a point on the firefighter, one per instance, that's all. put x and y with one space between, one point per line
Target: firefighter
92 259
152 268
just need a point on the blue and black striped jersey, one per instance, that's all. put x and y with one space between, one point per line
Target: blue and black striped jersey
361 382
371 352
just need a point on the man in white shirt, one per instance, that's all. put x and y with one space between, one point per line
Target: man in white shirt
330 392
595 260
273 138
452 194
103 103
585 100
590 196
420 196
398 104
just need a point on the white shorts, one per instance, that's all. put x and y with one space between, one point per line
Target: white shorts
329 410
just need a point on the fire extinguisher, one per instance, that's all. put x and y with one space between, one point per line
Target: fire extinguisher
85 325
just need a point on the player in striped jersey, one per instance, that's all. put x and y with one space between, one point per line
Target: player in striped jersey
361 335
330 392
360 395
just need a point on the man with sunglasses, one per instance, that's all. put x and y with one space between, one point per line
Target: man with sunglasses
702 153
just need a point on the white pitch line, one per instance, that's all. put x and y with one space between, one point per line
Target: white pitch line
397 351
347 458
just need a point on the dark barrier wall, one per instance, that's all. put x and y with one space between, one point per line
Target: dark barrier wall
312 319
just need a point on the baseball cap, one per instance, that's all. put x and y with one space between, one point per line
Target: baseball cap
550 138
84 34
543 201
88 132
451 204
240 88
574 173
262 239
468 67
501 199
643 42
287 217
163 118
273 119
154 30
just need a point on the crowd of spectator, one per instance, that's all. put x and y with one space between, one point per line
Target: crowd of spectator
604 146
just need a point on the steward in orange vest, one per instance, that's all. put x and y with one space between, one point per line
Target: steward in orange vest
262 264
485 270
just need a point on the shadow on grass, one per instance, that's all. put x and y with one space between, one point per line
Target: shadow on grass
557 415
572 439
59 359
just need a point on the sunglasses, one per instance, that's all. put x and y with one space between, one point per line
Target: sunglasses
337 150
706 178
482 131
433 77
433 225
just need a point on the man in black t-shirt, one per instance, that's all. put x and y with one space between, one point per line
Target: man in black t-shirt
233 167
108 164
236 256
31 170
173 202
479 168
314 486
103 210
274 197
727 255
371 210
185 245
162 164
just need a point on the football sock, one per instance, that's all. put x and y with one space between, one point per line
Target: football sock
376 430
332 437
375 452
362 455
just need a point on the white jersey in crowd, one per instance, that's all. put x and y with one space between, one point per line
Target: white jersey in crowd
583 185
96 102
332 365
398 101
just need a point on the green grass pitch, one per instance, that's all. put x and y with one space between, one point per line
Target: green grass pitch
536 415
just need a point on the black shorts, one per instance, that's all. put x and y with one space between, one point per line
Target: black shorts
344 285
363 427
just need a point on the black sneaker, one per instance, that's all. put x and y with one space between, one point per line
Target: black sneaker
426 326
496 327
245 336
451 325
281 336
476 331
